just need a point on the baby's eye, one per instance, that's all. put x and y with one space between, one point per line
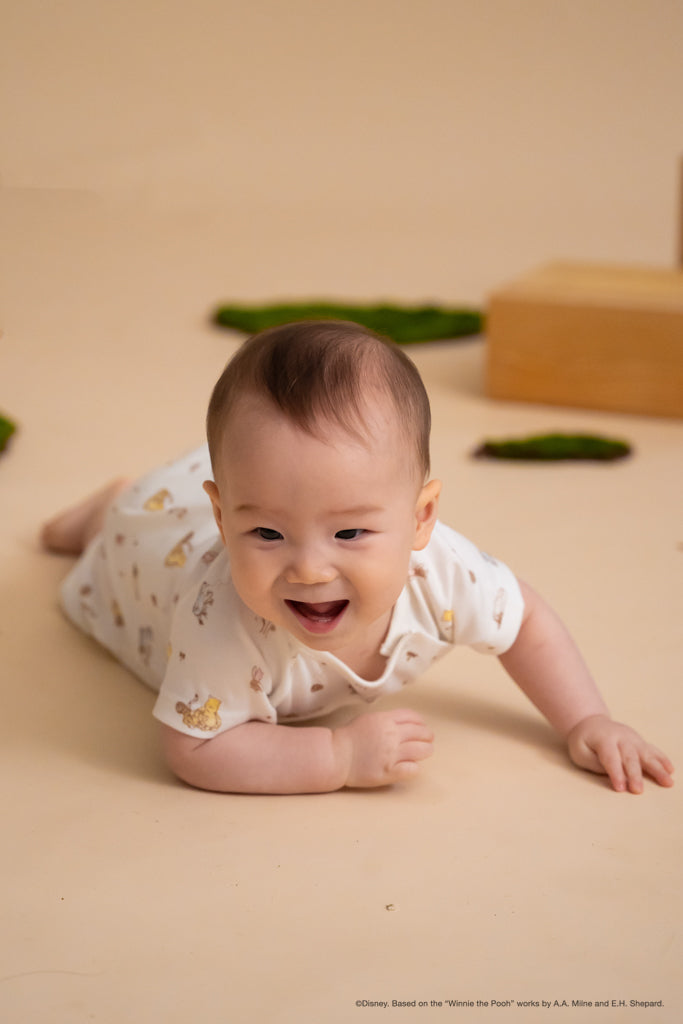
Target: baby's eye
266 534
349 534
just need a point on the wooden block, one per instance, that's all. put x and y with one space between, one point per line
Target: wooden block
597 337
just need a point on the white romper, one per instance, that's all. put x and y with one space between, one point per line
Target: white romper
155 589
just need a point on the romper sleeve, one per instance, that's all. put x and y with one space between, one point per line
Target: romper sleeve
216 675
478 601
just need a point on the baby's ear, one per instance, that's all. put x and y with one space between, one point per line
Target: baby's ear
213 492
426 512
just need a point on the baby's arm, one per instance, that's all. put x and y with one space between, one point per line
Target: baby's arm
546 664
373 750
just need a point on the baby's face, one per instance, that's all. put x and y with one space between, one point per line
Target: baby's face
319 531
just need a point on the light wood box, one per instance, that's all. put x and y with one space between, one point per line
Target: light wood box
597 337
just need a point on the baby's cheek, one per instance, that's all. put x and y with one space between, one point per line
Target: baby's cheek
255 586
245 580
380 589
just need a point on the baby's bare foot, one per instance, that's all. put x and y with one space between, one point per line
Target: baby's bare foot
71 531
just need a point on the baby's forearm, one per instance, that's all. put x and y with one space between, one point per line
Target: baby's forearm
258 758
546 664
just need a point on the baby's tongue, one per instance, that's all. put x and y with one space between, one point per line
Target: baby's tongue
321 610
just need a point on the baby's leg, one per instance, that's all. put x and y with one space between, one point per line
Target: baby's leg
72 530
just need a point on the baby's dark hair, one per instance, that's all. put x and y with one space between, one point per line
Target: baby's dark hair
324 370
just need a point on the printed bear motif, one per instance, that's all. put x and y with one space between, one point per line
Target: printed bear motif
205 717
255 681
177 556
157 502
200 609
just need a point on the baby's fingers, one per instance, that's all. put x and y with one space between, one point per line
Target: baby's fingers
411 728
415 750
639 761
621 771
407 717
632 771
602 745
417 744
658 766
629 763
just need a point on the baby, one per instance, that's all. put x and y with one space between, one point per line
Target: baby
322 578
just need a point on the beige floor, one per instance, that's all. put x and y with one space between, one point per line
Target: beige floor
502 873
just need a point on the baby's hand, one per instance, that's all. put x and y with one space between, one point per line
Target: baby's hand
384 747
610 748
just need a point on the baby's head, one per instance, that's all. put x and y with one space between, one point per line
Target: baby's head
319 439
327 373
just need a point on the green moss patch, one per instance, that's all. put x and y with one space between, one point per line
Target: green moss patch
403 324
555 447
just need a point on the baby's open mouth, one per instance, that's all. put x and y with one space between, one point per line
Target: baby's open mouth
320 617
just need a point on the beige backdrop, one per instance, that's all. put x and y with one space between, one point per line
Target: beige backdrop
159 157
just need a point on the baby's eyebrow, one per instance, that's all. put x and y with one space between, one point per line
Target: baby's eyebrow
249 508
357 510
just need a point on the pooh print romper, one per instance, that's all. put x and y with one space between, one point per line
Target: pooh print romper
154 588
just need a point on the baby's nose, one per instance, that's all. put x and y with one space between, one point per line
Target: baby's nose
310 566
